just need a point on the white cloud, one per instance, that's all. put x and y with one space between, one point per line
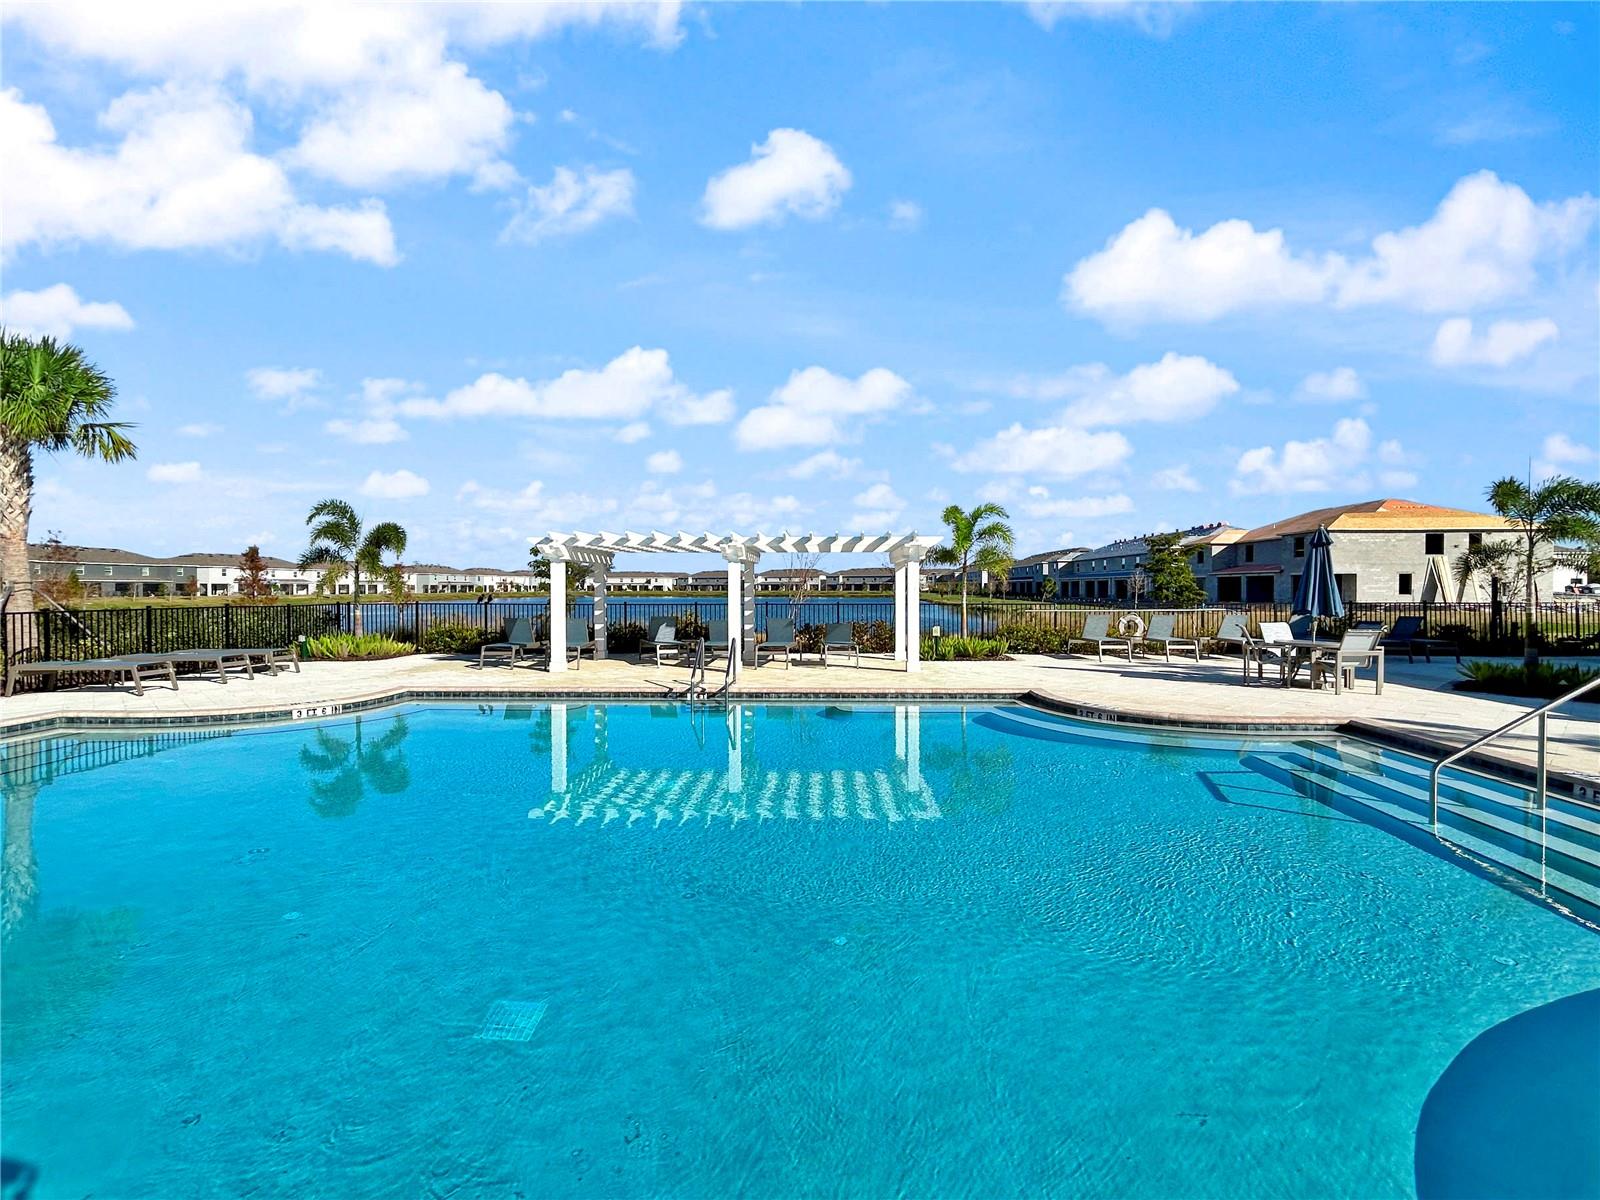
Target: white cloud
812 408
1485 242
290 386
1335 463
57 310
1175 479
1560 455
1339 384
1502 343
181 176
791 173
571 204
829 463
178 472
905 215
1154 17
1083 506
377 407
1051 452
374 91
630 386
395 485
664 462
633 431
201 429
368 431
876 508
1176 388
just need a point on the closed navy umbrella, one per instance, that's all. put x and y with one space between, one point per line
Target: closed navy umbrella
1318 593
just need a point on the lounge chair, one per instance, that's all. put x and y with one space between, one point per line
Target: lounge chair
781 639
1162 634
716 638
666 641
273 656
518 641
136 672
1356 649
840 637
1410 633
580 639
1234 631
220 661
1097 633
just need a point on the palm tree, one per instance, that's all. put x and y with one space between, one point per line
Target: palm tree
340 542
979 540
52 399
1561 509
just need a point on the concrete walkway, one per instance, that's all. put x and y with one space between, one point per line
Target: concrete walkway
1416 704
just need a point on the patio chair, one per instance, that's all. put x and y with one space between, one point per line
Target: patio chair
1234 631
273 656
1410 633
716 638
840 637
781 639
220 661
1356 649
135 672
1162 633
665 641
580 639
1263 650
1097 633
518 641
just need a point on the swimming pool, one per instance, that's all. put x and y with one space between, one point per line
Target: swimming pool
633 950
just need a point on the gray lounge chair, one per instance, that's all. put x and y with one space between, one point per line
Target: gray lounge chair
220 661
1097 633
1410 633
273 656
666 641
840 638
136 672
1356 649
1234 631
716 638
1162 633
518 642
579 639
781 639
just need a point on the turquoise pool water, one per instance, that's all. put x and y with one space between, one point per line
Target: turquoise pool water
631 950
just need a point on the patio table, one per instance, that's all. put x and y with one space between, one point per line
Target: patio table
1315 648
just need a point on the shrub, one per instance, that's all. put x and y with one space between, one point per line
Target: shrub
347 647
1032 639
953 649
456 637
1543 681
626 638
874 637
809 638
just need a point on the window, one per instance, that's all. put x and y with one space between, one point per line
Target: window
1404 587
1435 543
1199 557
1228 590
145 571
1300 546
1474 539
108 570
1294 584
1250 553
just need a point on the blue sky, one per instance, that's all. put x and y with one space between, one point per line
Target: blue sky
490 271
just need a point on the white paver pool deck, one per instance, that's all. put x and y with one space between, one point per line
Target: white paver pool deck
1416 702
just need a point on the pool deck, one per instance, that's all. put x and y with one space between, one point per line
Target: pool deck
1417 707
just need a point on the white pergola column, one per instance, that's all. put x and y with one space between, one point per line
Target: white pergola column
599 619
747 614
558 608
736 557
907 562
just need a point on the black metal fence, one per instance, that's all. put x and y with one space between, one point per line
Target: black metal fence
1571 627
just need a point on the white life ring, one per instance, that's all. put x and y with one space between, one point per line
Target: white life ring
1130 626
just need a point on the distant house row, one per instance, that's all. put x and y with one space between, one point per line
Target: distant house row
1383 551
105 571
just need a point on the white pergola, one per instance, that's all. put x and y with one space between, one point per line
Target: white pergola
741 552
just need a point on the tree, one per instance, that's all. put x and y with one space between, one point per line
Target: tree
344 546
51 399
979 540
1561 509
61 581
1172 581
1047 587
803 577
253 583
578 574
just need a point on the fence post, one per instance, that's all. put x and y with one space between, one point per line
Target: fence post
148 620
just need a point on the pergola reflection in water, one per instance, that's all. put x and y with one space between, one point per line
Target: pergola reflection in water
607 793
